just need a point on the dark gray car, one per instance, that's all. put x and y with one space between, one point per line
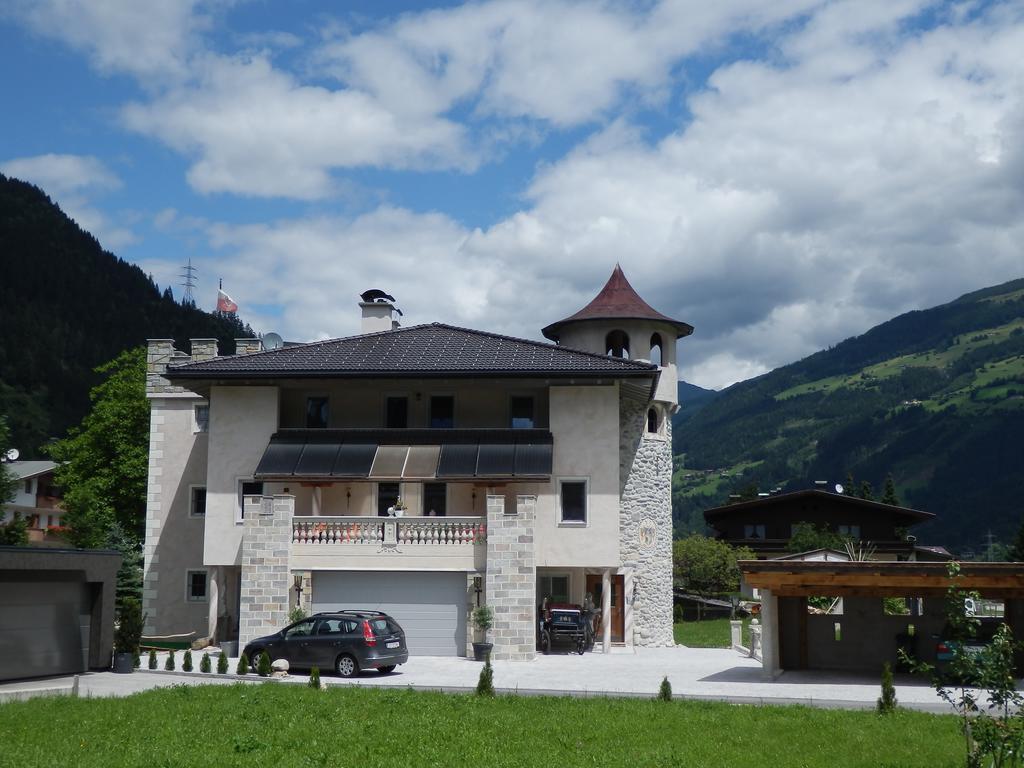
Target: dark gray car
346 641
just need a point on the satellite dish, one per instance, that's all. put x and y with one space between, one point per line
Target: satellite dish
839 488
272 341
12 454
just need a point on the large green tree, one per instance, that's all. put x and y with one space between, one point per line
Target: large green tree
706 566
808 536
103 462
16 530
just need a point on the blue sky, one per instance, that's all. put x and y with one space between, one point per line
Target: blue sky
780 175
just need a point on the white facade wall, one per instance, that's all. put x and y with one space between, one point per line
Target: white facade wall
242 421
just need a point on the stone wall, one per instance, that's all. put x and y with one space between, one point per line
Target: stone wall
266 576
511 580
645 522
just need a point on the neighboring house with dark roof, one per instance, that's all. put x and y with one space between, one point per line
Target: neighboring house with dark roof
37 499
525 470
766 524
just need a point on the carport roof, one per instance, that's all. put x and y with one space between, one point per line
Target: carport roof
878 578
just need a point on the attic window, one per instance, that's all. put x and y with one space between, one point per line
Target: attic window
652 421
617 344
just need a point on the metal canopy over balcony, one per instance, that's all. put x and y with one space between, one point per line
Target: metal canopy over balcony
407 454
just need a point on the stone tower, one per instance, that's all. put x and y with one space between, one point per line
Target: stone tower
620 323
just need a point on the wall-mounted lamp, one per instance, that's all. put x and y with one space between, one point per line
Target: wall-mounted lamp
478 587
348 497
298 590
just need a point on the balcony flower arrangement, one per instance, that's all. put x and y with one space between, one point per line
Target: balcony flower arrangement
398 509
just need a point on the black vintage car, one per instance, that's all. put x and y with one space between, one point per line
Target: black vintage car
567 624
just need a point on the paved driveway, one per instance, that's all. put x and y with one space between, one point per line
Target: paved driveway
699 673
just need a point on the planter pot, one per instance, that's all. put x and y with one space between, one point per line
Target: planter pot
230 648
124 663
481 651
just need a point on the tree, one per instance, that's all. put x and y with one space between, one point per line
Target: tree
808 536
866 491
103 463
889 495
707 566
14 532
1016 551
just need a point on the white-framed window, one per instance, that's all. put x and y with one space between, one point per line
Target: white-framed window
572 501
28 485
196 586
246 487
200 418
197 501
522 412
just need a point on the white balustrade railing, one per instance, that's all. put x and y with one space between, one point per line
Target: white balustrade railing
412 531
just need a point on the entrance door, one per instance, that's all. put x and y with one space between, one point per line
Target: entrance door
594 587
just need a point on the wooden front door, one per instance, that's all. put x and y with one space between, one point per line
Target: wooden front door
594 587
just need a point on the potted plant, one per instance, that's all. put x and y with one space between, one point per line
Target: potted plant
127 636
483 620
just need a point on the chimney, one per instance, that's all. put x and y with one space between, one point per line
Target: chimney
379 311
248 346
203 349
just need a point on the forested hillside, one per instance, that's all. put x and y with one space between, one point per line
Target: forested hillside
68 306
935 397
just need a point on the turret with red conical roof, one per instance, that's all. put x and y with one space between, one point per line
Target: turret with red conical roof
619 322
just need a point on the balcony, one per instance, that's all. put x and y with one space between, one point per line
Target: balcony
386 543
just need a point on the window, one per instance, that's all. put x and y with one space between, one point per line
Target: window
520 411
573 499
753 531
318 412
617 344
335 627
554 588
302 629
652 421
396 412
247 488
656 353
195 586
435 499
387 495
28 486
201 418
442 412
197 504
853 531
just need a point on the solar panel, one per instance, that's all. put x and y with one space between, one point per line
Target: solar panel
317 459
279 459
496 460
533 460
457 460
354 460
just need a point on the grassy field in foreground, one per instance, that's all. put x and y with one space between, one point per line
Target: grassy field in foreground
290 725
710 633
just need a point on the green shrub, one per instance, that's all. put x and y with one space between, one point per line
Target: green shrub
204 663
152 659
485 685
296 614
222 663
169 664
314 678
263 668
243 665
136 659
887 701
128 634
186 663
665 691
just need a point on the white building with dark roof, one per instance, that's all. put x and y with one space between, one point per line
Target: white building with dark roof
526 471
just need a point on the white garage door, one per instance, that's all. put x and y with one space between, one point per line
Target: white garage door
430 607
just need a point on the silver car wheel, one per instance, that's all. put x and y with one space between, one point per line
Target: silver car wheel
346 666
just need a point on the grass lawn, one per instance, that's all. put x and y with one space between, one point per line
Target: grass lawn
710 633
290 725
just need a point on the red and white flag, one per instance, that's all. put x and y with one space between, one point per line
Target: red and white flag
225 303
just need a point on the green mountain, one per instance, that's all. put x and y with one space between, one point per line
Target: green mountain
68 306
691 400
934 397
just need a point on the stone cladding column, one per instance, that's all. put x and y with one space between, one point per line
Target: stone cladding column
266 576
645 522
511 580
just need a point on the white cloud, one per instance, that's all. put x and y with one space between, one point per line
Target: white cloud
811 197
146 39
72 180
